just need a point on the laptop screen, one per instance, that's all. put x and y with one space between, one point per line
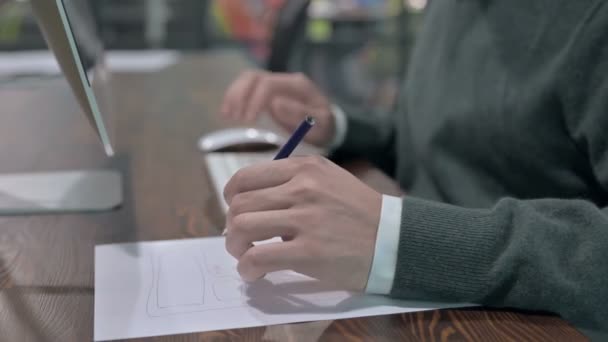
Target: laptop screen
71 33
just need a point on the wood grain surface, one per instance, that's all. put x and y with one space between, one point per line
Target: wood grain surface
46 261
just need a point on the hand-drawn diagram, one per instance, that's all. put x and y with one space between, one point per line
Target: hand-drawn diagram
197 279
185 281
228 289
171 289
219 269
192 285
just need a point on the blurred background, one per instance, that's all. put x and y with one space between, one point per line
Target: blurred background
356 50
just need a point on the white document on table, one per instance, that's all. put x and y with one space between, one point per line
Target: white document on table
43 62
182 286
140 60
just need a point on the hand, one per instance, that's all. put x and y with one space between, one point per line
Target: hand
326 216
288 98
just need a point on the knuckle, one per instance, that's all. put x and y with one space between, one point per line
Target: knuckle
238 224
312 163
277 104
233 184
238 204
308 250
240 267
231 246
320 160
314 159
249 265
254 258
250 74
300 78
267 87
310 184
265 92
227 193
238 176
304 188
265 81
244 268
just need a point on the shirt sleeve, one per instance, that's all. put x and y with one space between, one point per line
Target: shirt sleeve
382 273
341 125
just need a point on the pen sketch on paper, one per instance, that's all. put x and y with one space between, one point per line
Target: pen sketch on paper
192 285
196 280
186 282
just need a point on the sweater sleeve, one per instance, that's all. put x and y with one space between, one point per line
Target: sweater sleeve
370 136
547 255
544 254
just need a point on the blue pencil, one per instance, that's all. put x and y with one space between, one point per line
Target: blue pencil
295 138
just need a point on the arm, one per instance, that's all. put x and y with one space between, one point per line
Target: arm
288 98
545 254
366 135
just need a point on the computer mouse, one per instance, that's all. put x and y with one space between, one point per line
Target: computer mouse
244 139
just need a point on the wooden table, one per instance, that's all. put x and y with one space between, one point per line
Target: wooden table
46 262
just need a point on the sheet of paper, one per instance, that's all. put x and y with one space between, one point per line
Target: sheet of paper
44 62
181 286
28 63
141 61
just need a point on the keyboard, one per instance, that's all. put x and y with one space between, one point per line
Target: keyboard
222 166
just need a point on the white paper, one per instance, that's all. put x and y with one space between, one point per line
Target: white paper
44 62
182 286
28 63
141 61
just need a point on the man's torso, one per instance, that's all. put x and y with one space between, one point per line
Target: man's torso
484 118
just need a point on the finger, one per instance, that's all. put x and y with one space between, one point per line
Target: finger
287 112
271 86
267 88
260 176
274 198
266 258
259 99
238 94
245 229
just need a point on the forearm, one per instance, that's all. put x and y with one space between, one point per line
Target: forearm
549 255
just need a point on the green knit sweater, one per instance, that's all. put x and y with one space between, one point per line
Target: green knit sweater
501 143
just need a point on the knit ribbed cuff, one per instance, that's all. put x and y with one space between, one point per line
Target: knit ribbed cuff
445 252
361 136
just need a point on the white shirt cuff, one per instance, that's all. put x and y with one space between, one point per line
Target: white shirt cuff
341 125
384 264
